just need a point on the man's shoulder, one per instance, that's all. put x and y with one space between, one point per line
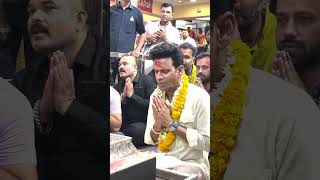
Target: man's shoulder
114 93
268 84
153 24
148 78
197 92
268 91
11 97
174 28
136 9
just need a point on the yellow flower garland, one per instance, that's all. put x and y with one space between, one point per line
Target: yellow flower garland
178 104
227 114
193 75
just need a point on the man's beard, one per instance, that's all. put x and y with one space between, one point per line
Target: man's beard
204 79
306 59
309 59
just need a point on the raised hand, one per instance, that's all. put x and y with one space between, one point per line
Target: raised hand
283 68
63 89
162 112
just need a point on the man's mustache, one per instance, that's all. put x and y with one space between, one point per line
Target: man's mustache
38 28
288 43
200 74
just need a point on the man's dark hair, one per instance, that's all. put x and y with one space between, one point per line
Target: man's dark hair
187 45
200 56
221 6
166 50
166 4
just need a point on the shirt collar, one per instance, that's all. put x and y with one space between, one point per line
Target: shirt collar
84 57
169 24
119 6
87 52
137 78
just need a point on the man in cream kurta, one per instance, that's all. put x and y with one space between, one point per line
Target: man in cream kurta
192 142
196 117
278 135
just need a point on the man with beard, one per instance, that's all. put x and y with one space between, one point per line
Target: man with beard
135 89
262 127
67 90
297 36
188 52
257 29
202 62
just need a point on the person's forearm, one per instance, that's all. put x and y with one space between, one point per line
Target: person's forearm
18 172
182 132
150 38
6 175
140 41
115 123
154 133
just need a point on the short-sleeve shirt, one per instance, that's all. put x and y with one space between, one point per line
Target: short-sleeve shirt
172 32
115 101
124 26
16 127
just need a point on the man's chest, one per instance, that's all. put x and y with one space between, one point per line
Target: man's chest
119 18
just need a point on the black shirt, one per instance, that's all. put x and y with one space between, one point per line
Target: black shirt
135 109
76 147
124 26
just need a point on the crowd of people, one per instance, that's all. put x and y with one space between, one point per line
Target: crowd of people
238 99
179 80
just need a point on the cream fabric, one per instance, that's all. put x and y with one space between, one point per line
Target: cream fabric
279 133
196 117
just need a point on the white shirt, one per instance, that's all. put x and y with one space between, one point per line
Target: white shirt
279 135
17 144
173 34
190 41
196 117
115 101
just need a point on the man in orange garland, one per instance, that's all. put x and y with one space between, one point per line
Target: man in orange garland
178 115
262 127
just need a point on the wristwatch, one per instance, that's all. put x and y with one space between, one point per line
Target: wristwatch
174 126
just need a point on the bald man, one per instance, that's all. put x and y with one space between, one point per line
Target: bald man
135 89
67 90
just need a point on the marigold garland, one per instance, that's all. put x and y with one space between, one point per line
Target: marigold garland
193 75
227 113
177 103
